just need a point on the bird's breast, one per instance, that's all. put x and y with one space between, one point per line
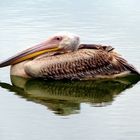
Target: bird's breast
19 70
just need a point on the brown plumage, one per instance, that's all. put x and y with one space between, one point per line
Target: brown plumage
89 62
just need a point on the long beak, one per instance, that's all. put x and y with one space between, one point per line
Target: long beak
31 53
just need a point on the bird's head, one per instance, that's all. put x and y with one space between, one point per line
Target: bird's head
65 41
60 42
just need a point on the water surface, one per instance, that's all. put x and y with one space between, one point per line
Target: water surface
70 110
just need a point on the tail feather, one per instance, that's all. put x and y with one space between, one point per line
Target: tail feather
128 66
132 69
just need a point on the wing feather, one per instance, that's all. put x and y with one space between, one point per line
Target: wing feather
81 64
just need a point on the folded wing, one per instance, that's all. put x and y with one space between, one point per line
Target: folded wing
81 64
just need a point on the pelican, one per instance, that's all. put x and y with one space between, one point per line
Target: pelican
62 56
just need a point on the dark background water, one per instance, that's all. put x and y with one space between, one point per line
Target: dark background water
65 112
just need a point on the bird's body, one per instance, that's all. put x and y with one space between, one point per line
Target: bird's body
83 64
72 61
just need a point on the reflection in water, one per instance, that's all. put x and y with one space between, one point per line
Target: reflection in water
64 97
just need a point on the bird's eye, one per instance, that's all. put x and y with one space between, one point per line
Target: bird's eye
58 38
